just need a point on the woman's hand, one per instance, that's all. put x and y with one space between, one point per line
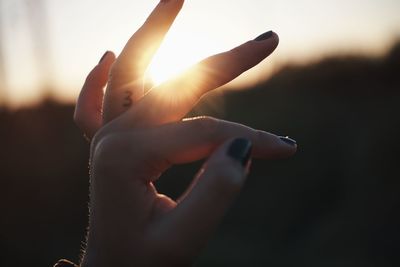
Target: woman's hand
137 135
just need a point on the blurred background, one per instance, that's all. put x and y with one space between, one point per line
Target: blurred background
333 84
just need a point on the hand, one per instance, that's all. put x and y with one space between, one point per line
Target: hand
137 135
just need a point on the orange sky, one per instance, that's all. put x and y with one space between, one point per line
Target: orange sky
56 44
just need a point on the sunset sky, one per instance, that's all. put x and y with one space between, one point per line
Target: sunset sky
56 43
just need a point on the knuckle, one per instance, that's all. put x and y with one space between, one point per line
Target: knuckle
105 147
112 150
121 73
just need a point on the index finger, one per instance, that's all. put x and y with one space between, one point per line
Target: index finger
172 100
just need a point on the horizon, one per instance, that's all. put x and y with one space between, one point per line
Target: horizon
60 42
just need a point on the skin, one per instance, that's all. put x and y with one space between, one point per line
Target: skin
137 135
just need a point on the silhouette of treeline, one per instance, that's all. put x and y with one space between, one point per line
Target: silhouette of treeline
336 203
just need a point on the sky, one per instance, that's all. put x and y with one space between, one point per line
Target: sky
48 46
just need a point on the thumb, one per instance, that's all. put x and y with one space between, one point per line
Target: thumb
195 218
90 101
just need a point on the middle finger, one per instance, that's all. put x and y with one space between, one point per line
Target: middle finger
125 85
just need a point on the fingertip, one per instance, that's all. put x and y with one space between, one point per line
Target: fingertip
229 165
169 8
102 58
252 52
112 55
269 39
107 58
240 150
289 141
101 72
276 37
271 146
289 144
177 2
275 40
266 36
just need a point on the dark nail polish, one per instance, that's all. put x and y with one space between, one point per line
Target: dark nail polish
264 36
240 150
103 57
288 140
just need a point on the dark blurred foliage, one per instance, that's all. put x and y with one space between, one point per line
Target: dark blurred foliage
336 203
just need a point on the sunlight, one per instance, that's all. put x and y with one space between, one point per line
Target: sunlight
175 55
165 66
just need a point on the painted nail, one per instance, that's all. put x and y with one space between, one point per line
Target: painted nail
103 57
264 36
288 140
240 150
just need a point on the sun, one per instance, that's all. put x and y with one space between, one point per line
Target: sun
169 61
174 56
165 66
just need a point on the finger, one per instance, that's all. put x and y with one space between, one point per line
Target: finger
90 101
218 182
140 49
126 84
145 42
172 100
197 138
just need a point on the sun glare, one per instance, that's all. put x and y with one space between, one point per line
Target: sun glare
165 66
174 56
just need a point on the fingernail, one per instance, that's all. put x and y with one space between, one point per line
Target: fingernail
240 150
264 36
288 140
103 57
164 1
